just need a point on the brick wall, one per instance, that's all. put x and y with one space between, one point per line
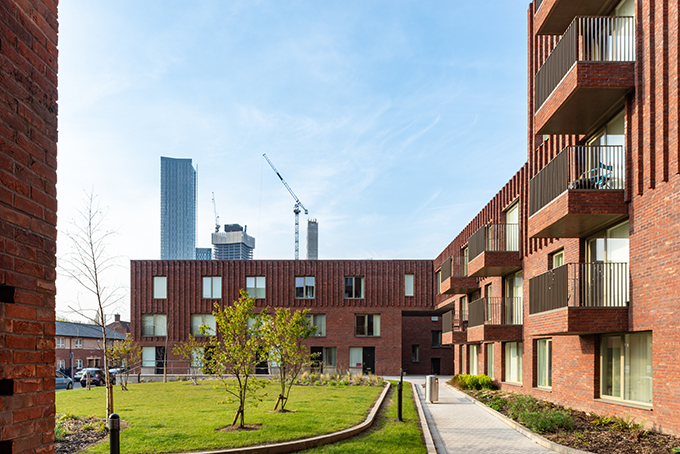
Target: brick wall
28 206
418 331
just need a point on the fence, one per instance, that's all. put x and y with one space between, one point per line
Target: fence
494 238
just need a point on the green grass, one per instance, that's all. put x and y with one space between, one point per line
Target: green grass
388 435
179 416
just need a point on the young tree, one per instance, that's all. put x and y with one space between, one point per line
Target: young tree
284 334
236 349
123 354
190 351
86 263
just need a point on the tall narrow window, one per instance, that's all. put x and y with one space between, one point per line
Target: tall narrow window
544 363
148 356
490 358
473 357
415 353
354 287
438 281
255 286
512 228
356 356
437 338
463 309
304 287
160 287
488 316
513 302
212 287
513 362
408 284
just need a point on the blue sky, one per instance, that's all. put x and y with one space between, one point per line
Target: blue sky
394 122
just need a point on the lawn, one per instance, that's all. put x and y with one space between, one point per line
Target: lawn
180 416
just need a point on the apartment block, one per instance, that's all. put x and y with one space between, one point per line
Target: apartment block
79 345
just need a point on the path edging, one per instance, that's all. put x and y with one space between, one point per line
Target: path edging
520 428
429 441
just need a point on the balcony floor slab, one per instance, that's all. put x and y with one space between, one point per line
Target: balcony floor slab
578 320
492 263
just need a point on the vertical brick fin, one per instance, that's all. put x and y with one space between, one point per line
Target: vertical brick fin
6 388
6 294
640 88
651 88
665 88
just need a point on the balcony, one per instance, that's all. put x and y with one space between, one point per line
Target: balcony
454 329
454 277
495 319
554 16
587 75
494 250
578 192
580 298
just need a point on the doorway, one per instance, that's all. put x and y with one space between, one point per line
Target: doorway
368 363
435 366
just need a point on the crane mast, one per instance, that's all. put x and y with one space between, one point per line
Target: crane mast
217 218
296 208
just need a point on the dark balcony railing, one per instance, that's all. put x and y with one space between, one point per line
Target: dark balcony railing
586 39
447 322
595 284
494 238
538 5
496 311
454 267
579 167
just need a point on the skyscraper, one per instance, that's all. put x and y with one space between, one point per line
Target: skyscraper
312 239
233 244
178 209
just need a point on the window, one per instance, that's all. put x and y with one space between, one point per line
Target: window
463 309
255 286
330 355
198 320
513 362
436 338
466 257
77 343
212 287
544 363
319 321
415 353
354 287
154 325
488 290
79 364
356 356
160 287
61 364
367 325
514 314
304 287
473 359
148 356
512 228
60 342
434 318
557 259
626 367
490 358
438 281
408 284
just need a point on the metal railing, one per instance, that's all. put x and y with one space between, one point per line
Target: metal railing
447 322
596 284
454 267
496 311
602 38
577 167
538 5
494 238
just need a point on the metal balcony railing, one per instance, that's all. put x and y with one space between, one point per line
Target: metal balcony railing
587 39
596 284
494 238
447 322
496 311
577 167
454 267
538 5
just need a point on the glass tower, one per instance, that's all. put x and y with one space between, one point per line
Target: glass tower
178 209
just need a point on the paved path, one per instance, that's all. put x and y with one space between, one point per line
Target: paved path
460 427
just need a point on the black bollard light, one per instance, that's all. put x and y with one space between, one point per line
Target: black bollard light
114 433
400 387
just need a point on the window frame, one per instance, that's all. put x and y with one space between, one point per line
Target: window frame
544 363
366 325
160 287
312 318
214 288
78 343
355 279
78 364
507 367
436 336
490 359
473 359
212 326
60 342
155 325
415 353
625 360
305 294
258 291
409 284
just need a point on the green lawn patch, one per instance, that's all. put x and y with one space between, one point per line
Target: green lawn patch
179 416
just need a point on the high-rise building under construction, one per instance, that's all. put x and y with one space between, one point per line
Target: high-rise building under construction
233 244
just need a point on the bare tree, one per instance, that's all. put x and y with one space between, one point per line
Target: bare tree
86 263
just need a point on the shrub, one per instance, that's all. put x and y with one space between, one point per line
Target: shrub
59 430
467 381
527 411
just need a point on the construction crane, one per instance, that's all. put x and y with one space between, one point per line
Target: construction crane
217 218
296 208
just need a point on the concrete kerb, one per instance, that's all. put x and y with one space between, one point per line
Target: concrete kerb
520 428
429 442
307 443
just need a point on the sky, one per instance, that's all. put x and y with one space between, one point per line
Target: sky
394 122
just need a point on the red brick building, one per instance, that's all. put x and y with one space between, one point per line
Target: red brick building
361 307
28 217
79 345
574 296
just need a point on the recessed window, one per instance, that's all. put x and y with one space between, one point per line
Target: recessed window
354 287
490 358
415 353
626 367
408 284
160 287
61 364
463 309
318 321
60 342
330 355
148 356
557 259
212 287
77 343
356 357
513 362
473 359
436 338
438 281
367 325
154 325
304 287
79 364
255 286
434 318
544 363
198 320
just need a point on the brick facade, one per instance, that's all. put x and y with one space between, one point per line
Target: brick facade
28 206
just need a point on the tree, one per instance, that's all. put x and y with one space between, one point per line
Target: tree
190 351
86 263
236 349
123 354
284 335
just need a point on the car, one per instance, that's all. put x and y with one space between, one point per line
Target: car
62 381
97 377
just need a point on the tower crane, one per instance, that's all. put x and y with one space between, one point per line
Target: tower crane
296 208
217 218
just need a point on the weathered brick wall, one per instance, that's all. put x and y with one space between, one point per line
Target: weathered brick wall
28 216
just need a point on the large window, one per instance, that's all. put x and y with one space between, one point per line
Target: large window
544 363
160 287
212 287
513 362
490 358
408 284
255 286
198 320
148 356
354 287
60 342
367 325
473 359
626 367
319 321
154 325
304 287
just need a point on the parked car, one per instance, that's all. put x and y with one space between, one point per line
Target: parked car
63 381
97 377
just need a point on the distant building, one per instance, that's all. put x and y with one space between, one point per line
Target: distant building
178 209
84 342
204 253
119 326
312 240
233 244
